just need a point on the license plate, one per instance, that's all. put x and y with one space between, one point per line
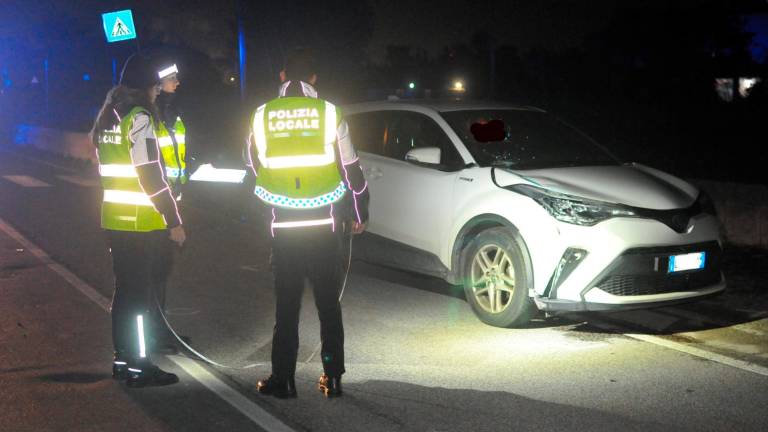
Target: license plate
691 261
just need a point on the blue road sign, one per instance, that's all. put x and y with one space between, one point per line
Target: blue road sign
118 26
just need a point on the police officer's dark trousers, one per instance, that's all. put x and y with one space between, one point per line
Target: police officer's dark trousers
139 261
318 255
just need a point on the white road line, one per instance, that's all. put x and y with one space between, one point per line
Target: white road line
258 415
75 281
660 341
701 319
26 181
80 181
251 410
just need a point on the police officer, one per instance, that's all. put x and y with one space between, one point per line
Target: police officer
308 175
139 213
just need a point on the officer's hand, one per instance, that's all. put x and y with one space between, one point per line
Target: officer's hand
178 235
358 228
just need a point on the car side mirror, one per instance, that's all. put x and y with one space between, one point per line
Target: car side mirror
424 155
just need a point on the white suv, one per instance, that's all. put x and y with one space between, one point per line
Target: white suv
527 212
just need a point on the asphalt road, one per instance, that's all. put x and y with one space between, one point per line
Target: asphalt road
417 358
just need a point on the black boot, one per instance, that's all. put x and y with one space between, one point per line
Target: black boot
119 368
329 386
277 387
149 376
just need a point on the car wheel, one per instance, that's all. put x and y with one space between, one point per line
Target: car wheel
496 278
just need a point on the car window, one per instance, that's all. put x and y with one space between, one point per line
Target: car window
525 139
409 130
367 131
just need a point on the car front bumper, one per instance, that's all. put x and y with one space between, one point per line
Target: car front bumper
626 267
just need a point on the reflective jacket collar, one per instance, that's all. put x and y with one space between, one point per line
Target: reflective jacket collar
306 89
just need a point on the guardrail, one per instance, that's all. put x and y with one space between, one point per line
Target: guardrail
70 144
742 208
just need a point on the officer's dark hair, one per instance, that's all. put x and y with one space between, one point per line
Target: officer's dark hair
299 64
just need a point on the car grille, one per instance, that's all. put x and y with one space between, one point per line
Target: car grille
643 271
677 219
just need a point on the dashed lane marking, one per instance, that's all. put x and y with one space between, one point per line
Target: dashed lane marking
26 181
80 181
251 410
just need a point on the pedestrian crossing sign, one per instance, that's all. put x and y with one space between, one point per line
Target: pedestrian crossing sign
118 26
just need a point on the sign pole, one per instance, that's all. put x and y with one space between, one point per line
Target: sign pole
241 50
119 26
45 71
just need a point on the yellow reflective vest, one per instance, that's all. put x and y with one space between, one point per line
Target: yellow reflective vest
294 143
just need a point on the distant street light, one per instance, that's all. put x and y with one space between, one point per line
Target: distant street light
458 86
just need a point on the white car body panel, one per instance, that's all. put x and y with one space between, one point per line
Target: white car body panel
419 191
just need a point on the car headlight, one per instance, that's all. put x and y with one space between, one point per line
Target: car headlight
572 209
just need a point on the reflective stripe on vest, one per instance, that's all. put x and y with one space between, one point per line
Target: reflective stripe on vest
117 170
284 201
305 223
165 141
172 173
125 197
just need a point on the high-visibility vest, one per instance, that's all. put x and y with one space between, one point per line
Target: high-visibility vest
295 141
125 207
175 169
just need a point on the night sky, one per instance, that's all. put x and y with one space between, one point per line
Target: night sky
550 24
634 74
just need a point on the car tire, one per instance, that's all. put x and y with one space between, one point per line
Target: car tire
496 278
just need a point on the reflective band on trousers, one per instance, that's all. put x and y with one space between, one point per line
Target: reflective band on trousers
284 201
125 197
305 223
277 162
117 170
142 344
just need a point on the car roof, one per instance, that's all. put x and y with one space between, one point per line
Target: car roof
439 105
